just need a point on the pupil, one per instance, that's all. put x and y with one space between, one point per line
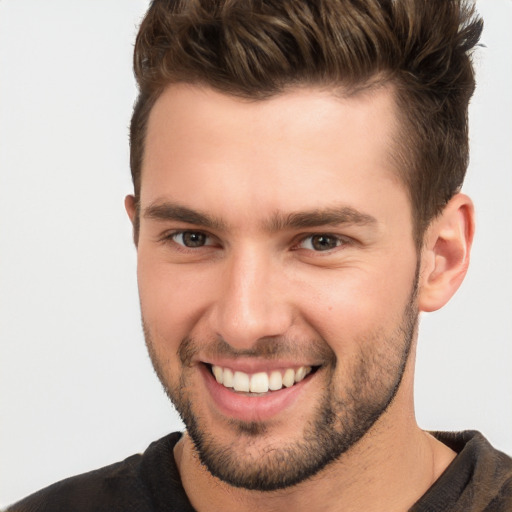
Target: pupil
323 243
193 239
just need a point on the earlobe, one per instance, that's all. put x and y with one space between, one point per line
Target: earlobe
445 254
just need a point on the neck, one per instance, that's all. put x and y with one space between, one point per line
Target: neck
390 468
387 470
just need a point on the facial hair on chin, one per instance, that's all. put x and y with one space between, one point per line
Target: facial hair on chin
345 413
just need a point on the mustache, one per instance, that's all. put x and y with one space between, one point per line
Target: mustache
270 348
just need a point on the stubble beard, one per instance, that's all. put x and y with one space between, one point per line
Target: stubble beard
346 412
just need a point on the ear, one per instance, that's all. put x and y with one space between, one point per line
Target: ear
130 204
445 253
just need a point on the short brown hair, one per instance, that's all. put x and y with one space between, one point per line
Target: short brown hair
260 48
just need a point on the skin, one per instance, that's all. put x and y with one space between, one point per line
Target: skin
258 282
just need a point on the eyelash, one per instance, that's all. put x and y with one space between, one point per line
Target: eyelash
171 237
340 240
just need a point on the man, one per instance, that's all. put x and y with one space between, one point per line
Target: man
297 168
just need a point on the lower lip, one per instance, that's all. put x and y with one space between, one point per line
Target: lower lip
252 408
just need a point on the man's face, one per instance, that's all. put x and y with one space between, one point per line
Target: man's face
275 246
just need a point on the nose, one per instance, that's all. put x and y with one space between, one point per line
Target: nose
252 303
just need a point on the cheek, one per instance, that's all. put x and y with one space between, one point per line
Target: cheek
172 297
357 304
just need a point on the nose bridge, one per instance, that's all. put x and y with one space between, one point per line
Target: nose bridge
251 305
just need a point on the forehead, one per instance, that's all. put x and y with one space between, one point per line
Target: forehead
306 148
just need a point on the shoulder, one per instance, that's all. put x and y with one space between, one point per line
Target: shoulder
478 480
474 451
123 486
102 489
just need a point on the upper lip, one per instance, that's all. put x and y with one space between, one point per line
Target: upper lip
254 365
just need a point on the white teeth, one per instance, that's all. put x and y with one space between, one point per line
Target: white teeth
218 374
300 373
275 382
227 378
289 378
260 382
241 381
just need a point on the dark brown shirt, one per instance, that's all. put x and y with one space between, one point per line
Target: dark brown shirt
478 480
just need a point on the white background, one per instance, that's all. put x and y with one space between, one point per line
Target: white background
76 387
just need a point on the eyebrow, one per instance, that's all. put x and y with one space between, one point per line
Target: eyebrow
320 217
334 216
172 211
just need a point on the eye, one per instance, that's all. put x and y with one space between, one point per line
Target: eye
192 239
321 242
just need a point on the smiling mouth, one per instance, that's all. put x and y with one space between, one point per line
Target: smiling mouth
260 382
